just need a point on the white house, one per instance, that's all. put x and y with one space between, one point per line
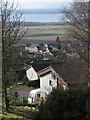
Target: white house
32 48
48 78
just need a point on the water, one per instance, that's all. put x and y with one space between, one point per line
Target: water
42 17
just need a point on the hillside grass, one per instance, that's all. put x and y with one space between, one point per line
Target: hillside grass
17 113
11 116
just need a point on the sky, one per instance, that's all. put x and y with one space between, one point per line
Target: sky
43 3
37 4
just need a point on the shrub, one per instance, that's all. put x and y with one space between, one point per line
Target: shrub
66 105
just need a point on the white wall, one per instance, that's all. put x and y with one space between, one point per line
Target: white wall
31 74
44 82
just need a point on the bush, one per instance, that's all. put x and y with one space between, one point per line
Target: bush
18 101
72 104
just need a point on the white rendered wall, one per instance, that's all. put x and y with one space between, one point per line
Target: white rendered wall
31 74
44 83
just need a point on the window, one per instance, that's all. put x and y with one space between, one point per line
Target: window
50 82
38 95
53 76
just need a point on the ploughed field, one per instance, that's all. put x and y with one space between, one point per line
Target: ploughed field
44 33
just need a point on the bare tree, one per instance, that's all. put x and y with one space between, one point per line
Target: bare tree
12 32
78 17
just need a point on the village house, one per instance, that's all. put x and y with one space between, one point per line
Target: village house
47 78
31 49
50 79
71 74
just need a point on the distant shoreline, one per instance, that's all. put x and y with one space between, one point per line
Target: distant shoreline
27 23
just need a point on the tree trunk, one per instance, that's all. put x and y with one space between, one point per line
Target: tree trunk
12 32
89 44
4 79
6 99
88 64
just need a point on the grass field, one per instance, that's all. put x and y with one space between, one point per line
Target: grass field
45 34
49 27
45 30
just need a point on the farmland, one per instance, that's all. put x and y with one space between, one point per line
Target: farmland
44 34
45 30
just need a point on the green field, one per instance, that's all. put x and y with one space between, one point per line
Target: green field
43 32
46 30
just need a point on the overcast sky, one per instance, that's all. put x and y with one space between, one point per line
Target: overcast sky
34 4
42 3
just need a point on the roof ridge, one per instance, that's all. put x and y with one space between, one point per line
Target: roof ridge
44 69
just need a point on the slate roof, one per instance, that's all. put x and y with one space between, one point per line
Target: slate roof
41 64
39 67
69 73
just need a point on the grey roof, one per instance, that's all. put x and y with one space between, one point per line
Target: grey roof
71 73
